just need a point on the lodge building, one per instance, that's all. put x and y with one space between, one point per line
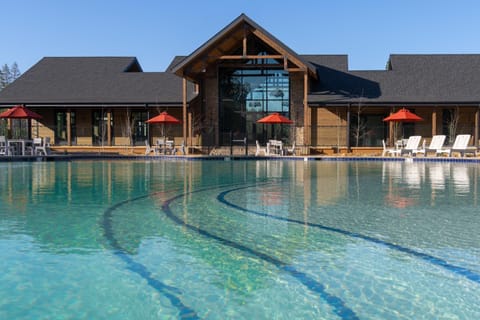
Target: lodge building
238 76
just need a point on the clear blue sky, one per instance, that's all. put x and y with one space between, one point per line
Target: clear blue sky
156 30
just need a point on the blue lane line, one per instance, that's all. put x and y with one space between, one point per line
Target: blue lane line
171 293
339 307
469 274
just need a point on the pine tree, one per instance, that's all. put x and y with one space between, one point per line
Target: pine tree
8 74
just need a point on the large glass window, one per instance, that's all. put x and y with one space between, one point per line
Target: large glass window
367 130
61 127
99 127
140 128
247 94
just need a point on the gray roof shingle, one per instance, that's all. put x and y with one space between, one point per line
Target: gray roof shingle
410 79
93 80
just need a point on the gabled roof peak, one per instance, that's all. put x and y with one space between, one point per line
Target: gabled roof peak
230 37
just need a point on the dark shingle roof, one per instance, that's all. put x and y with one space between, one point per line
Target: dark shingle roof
410 79
338 62
93 80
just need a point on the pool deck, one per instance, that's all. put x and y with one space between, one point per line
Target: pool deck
117 156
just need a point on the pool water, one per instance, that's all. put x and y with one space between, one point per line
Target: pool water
239 240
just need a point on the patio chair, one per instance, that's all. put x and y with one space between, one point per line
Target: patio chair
5 149
412 144
44 147
290 150
149 149
264 150
30 149
182 147
460 145
389 151
435 145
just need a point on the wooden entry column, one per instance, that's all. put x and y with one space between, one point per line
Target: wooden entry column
307 117
69 127
184 112
477 124
109 127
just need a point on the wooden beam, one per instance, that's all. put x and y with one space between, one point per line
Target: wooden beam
391 129
238 57
276 47
477 124
109 127
296 69
347 133
244 44
69 127
307 121
184 112
190 129
434 122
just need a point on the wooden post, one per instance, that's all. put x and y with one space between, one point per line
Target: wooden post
477 124
434 122
244 42
190 129
306 113
69 127
348 129
109 127
391 129
184 112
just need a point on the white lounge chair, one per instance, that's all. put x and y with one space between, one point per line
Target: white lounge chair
413 143
460 145
435 145
389 151
264 150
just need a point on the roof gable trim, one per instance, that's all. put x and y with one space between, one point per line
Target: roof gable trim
213 44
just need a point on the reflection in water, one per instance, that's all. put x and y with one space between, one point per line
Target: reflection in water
461 179
437 175
52 199
426 208
443 177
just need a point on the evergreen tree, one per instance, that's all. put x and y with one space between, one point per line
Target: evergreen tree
8 74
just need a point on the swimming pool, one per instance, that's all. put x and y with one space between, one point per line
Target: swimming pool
239 240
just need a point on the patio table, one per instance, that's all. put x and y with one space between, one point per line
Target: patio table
22 143
163 146
276 147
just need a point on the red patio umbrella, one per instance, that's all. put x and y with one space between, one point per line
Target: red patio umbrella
403 115
164 118
275 118
20 112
